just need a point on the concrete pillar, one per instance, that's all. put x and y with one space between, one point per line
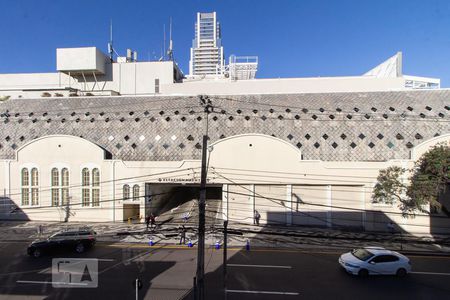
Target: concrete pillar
225 202
289 204
252 201
329 204
363 199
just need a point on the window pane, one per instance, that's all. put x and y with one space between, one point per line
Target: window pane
65 196
136 192
34 196
95 197
55 197
85 177
391 258
55 177
126 192
95 177
25 177
34 177
65 177
25 196
85 197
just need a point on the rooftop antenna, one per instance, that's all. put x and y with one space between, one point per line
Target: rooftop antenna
170 50
110 44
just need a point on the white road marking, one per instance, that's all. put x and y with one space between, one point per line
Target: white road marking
44 271
259 266
89 258
49 282
430 273
263 292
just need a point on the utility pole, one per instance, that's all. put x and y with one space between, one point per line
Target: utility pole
225 225
206 103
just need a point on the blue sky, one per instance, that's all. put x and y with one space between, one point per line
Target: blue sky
293 38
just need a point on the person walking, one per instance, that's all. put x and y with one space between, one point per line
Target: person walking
182 235
147 220
152 221
40 230
257 217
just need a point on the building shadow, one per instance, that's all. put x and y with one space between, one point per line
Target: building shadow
9 211
115 280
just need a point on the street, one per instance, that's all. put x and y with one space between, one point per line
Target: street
167 273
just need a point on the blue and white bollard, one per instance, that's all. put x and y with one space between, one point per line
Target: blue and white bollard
247 245
190 243
151 242
217 245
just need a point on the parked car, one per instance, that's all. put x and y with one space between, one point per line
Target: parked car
375 261
78 240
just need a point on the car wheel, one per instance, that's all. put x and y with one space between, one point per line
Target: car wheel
79 248
401 272
37 253
363 273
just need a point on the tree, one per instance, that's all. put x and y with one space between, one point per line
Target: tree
428 181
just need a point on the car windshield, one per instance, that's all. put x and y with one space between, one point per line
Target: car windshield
362 254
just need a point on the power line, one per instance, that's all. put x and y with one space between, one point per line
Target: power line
307 110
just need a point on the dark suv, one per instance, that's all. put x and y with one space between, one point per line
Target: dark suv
71 239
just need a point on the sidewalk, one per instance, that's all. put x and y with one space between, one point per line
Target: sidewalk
238 236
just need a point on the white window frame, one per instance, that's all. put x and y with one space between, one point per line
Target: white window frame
126 197
31 188
93 187
61 186
136 197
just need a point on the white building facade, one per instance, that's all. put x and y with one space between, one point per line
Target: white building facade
305 159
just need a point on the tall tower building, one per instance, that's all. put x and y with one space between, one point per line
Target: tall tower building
207 50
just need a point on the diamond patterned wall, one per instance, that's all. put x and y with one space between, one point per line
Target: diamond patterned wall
333 126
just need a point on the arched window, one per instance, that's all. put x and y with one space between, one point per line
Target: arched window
95 187
25 187
136 192
65 186
85 191
55 186
34 186
25 177
126 192
59 183
85 177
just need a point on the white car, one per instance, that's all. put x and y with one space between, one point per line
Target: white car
375 261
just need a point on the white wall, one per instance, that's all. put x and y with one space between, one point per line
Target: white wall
133 78
80 59
285 85
270 168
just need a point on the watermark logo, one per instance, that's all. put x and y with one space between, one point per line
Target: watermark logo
74 273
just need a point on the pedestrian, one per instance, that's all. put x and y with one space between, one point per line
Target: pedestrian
257 217
152 220
182 235
40 230
147 220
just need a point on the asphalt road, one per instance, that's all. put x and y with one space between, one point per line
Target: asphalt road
167 273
